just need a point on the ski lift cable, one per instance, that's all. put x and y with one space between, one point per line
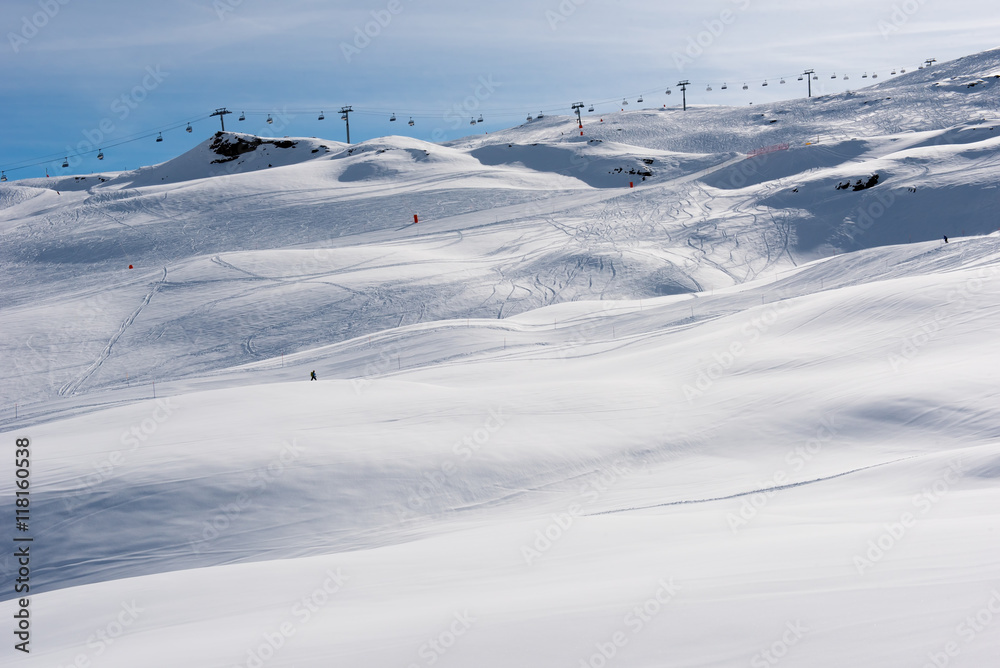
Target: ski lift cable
128 139
495 113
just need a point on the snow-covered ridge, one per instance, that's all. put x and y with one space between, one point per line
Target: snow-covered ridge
559 420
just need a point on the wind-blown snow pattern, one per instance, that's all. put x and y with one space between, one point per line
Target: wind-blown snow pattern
689 389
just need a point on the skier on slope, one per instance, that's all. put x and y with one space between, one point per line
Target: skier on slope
312 375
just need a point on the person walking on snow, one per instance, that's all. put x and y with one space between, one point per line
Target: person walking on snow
312 375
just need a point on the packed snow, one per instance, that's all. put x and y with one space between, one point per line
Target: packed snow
686 389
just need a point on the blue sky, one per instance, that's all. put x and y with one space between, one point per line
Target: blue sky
80 76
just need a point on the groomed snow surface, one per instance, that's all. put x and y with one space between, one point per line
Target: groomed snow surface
729 416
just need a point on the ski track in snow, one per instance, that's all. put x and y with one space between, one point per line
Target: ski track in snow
74 386
675 340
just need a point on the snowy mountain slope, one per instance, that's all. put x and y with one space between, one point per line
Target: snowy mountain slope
440 474
559 420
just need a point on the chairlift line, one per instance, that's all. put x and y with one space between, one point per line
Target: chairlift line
473 121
